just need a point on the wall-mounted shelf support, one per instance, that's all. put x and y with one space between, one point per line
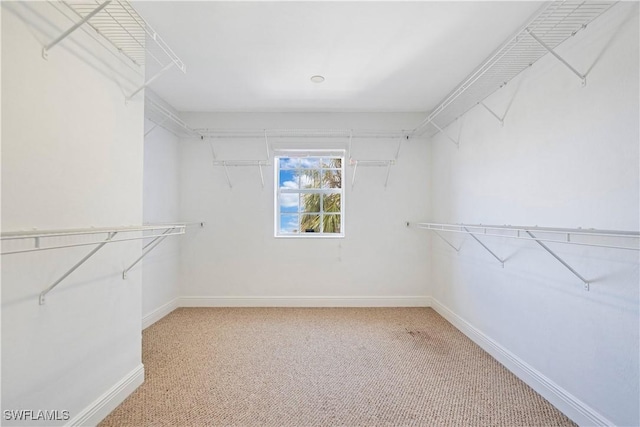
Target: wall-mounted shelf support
40 239
446 241
554 23
241 163
155 125
498 118
45 50
553 254
266 143
583 78
44 293
456 142
374 163
629 240
148 82
500 260
120 25
151 246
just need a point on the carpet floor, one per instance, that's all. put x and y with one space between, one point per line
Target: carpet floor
323 367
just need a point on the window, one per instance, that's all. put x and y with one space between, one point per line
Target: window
309 198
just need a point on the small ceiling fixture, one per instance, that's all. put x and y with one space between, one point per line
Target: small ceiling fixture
317 79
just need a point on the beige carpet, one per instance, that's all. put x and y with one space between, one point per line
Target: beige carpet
323 367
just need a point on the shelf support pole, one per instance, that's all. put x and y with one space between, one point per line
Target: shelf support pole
226 172
266 143
44 293
151 245
355 169
446 241
553 254
485 246
583 77
261 175
444 133
45 50
155 125
500 119
148 82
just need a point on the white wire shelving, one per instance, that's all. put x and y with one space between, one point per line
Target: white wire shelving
555 23
42 240
117 22
618 239
163 117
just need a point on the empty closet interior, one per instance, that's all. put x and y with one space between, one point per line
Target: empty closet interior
481 159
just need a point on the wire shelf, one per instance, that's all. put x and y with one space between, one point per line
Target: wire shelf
558 21
167 119
629 240
120 24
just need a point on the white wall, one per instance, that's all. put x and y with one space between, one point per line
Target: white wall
71 158
161 205
235 259
567 156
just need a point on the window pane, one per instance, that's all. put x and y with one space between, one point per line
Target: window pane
310 163
288 179
310 223
331 179
289 202
331 202
310 179
289 223
289 163
310 203
332 163
331 223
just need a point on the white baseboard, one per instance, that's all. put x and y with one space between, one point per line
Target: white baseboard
159 313
106 403
571 406
264 301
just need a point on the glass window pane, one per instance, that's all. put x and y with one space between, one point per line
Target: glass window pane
331 179
310 179
310 163
331 223
289 163
288 179
289 202
331 202
332 163
310 203
310 223
289 223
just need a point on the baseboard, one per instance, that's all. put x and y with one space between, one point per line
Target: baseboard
572 407
264 301
106 403
159 313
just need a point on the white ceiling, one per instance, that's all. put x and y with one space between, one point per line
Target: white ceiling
375 56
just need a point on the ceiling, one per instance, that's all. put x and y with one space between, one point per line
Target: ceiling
375 56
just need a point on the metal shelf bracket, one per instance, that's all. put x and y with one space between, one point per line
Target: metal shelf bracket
151 246
43 294
500 119
456 142
45 50
240 163
583 77
485 246
553 254
446 241
148 82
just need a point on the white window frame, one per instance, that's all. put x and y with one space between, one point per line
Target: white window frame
340 154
